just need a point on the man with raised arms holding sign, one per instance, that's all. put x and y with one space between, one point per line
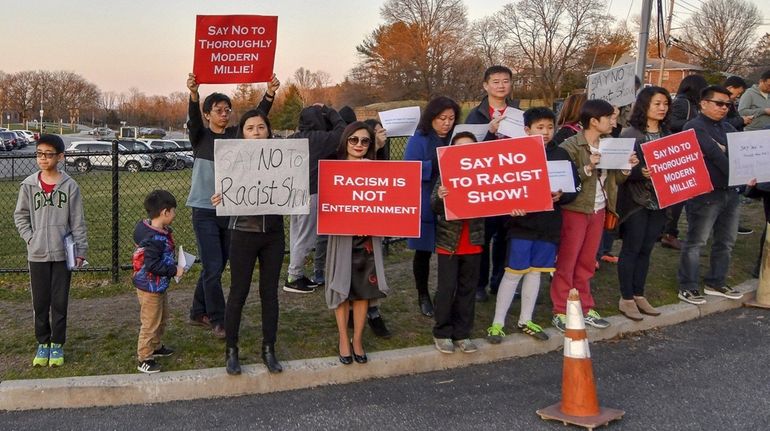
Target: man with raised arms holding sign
213 237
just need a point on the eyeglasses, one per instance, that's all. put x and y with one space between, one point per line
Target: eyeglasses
42 155
225 111
355 140
719 103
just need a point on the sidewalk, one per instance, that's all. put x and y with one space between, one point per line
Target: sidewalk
74 392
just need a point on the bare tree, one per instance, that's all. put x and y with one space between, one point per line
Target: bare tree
550 36
488 38
722 34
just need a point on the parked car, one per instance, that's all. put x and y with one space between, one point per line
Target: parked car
160 161
183 158
186 144
10 140
151 132
21 139
101 131
77 155
31 136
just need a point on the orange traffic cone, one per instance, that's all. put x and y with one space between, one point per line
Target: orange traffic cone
762 300
579 404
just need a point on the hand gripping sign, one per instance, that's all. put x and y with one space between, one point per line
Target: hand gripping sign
234 49
493 178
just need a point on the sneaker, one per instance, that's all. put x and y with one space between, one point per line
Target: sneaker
149 367
318 278
725 291
162 352
56 358
466 345
310 283
691 296
41 357
609 258
533 329
559 322
444 345
298 286
495 333
594 319
743 230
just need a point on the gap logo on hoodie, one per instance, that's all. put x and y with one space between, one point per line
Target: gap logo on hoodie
56 198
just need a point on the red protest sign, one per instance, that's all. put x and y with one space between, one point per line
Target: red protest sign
379 198
677 169
495 177
234 49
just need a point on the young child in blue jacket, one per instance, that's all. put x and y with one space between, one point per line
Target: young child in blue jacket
154 264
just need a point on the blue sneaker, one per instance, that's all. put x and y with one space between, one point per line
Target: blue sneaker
57 355
41 357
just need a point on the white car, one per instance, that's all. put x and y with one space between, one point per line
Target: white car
77 155
30 136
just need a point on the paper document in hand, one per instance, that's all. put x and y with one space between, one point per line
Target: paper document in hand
749 156
401 121
512 125
615 153
478 130
561 176
69 250
185 260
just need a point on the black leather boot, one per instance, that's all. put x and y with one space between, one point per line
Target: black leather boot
268 357
426 307
233 365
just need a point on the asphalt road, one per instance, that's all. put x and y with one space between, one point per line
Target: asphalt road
708 374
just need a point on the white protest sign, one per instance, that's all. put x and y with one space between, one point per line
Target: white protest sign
262 176
615 85
749 156
401 121
478 130
561 176
512 125
615 153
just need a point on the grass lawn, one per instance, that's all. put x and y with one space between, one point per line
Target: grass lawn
104 318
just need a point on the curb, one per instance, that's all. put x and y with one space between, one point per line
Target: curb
113 390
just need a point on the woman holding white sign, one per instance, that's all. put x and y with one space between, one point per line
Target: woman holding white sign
433 131
641 218
584 219
253 238
355 271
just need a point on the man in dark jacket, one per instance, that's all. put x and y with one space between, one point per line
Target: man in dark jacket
736 86
497 85
717 210
322 126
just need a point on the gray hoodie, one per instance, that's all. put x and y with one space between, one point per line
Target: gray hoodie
43 220
753 102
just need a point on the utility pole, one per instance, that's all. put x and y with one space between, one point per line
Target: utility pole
644 36
666 39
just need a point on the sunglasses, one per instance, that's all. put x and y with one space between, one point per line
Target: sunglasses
719 103
355 140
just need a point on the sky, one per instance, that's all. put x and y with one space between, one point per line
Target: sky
119 44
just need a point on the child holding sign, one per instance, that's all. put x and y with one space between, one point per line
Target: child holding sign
532 240
458 246
583 220
355 272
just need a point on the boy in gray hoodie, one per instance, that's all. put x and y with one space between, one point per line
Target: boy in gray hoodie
49 208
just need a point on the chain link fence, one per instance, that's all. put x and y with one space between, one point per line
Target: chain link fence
114 184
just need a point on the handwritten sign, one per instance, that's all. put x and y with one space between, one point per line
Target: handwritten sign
262 176
401 121
379 198
615 85
492 178
234 49
677 169
749 156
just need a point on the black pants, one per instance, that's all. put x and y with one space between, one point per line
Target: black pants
672 219
494 241
454 305
213 239
421 270
245 249
640 232
50 283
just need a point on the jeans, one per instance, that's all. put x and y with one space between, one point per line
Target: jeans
50 284
302 239
717 210
640 232
672 219
213 238
605 246
245 249
494 240
455 299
